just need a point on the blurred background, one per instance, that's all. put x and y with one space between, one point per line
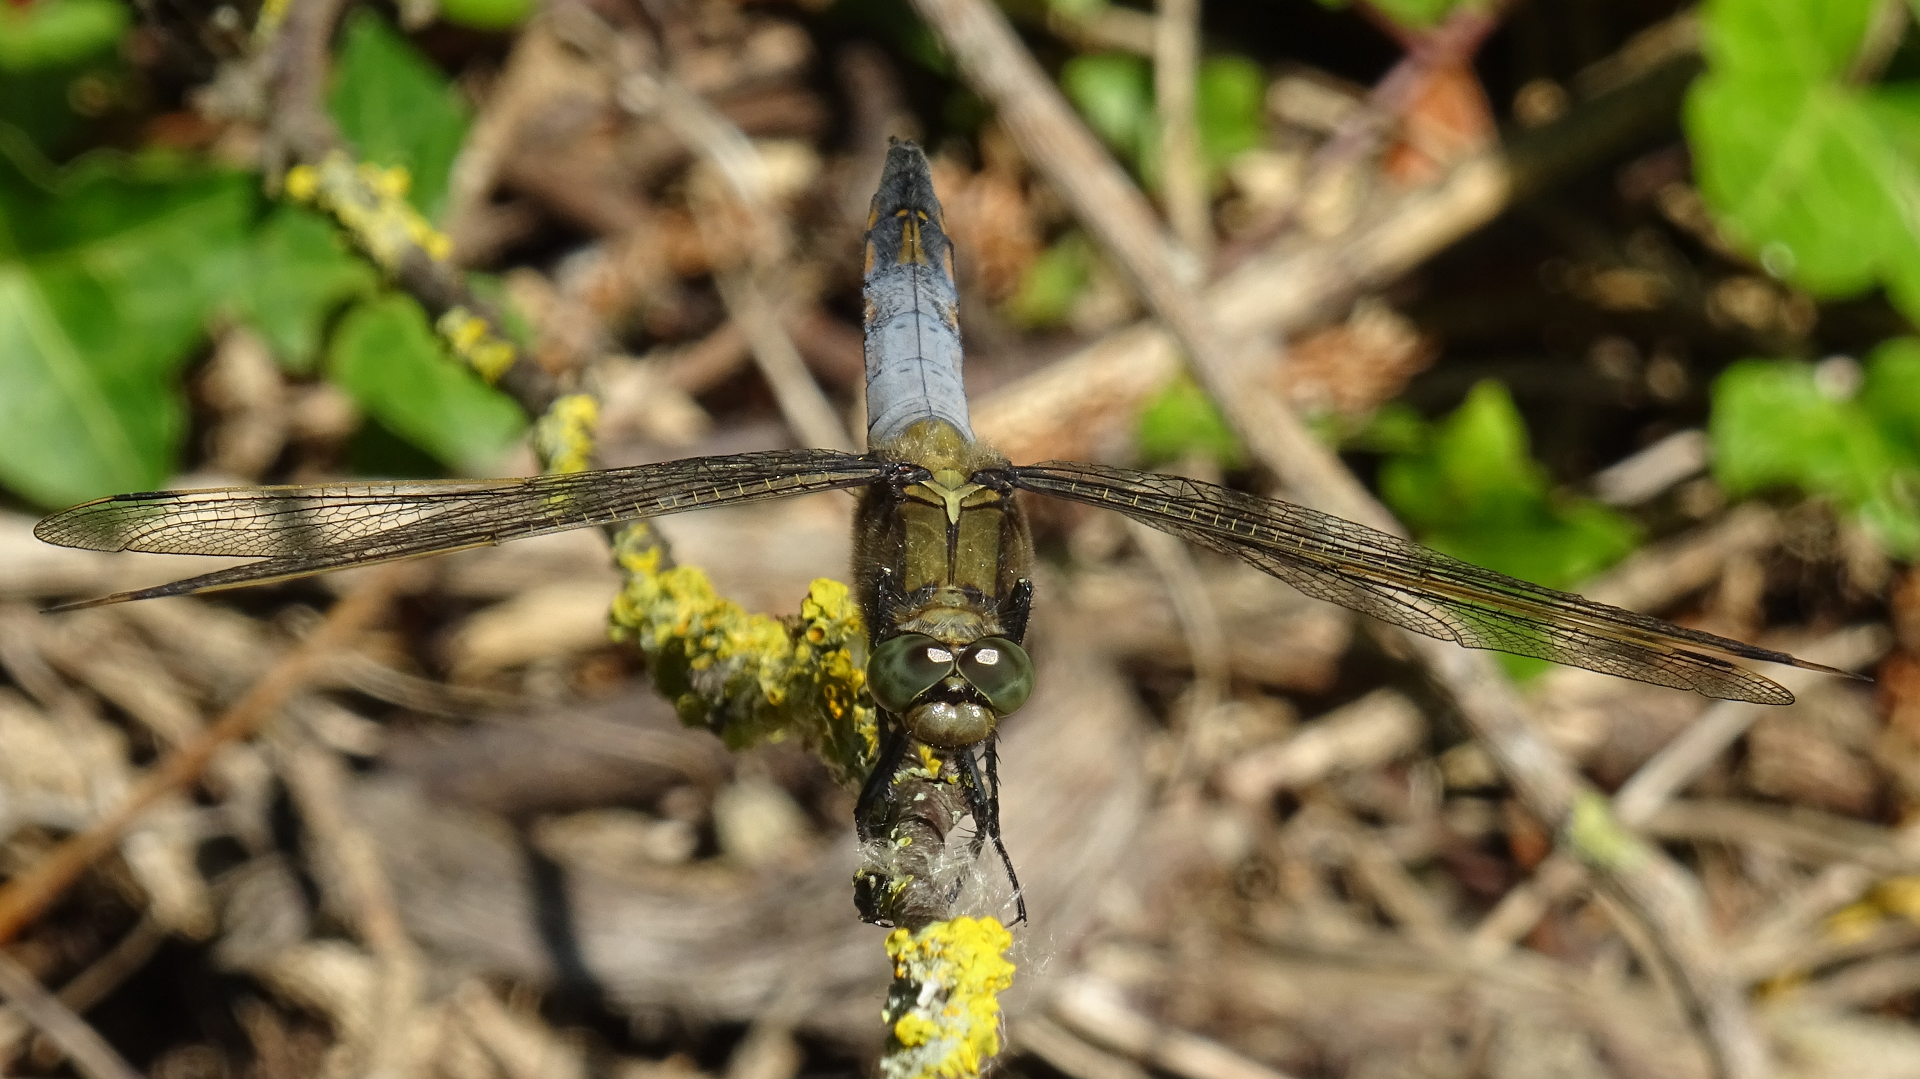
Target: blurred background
1610 296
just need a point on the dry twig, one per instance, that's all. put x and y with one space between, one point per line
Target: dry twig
24 897
89 1052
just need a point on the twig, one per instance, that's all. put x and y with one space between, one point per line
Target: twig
1684 759
644 92
1176 47
995 64
1065 409
1362 132
806 409
24 897
1659 780
1093 1007
81 1044
1369 732
96 982
1399 895
1885 27
1200 624
1066 1051
317 782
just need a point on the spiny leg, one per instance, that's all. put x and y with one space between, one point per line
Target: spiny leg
1014 610
983 800
877 791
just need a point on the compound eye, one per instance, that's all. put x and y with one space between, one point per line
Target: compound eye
904 667
1000 670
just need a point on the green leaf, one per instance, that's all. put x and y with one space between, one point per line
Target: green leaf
105 293
1230 108
396 108
1474 492
1051 284
493 15
1394 427
53 33
1114 91
1797 41
299 273
1818 178
1414 14
1774 424
1183 421
387 358
1891 391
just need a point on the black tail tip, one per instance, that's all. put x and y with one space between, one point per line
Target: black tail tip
906 183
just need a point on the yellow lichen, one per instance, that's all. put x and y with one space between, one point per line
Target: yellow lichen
370 202
944 1008
754 677
563 436
1598 838
1895 897
473 340
272 14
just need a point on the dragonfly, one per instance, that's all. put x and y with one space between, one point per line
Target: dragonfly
943 558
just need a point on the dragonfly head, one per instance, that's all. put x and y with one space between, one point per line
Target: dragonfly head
949 694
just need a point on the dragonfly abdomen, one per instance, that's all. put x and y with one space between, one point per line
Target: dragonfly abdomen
912 316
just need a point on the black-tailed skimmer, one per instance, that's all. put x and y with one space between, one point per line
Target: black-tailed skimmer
942 555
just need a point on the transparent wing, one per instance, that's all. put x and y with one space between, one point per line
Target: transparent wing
300 531
1369 571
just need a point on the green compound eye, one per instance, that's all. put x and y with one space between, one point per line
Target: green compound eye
905 667
1000 670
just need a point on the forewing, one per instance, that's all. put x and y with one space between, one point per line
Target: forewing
300 531
1369 571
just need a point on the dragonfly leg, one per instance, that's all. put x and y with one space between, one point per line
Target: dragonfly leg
890 598
983 800
877 792
1013 616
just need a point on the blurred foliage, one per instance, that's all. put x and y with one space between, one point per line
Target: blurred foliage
1807 166
1182 423
58 69
1808 163
396 108
1467 485
1052 282
113 268
495 15
107 279
54 33
1414 14
1114 92
386 356
299 273
1831 432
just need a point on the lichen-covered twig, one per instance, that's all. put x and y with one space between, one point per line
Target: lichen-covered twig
943 1011
752 678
